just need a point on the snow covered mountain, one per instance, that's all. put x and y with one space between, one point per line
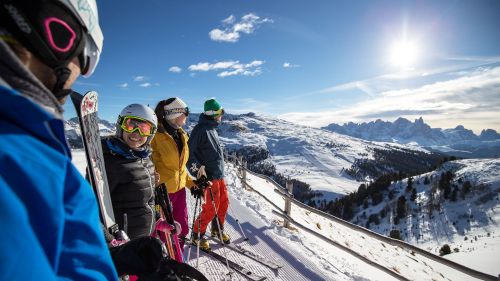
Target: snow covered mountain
73 133
458 141
458 205
328 162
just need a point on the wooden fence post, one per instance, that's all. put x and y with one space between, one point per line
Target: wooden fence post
288 202
240 160
244 174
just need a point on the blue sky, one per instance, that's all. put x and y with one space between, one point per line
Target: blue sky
311 62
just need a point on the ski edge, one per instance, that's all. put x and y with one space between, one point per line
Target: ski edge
247 253
236 266
232 264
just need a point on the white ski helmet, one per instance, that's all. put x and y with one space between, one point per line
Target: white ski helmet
86 12
140 111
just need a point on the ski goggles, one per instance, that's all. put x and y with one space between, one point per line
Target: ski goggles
89 56
215 113
131 124
184 111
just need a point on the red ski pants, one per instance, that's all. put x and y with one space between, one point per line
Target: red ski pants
221 200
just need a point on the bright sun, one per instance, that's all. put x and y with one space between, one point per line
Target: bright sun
404 54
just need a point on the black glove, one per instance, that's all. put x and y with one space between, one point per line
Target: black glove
200 185
202 182
196 191
140 256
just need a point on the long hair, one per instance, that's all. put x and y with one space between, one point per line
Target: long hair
160 110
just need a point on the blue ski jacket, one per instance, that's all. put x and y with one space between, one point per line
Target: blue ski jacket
49 221
205 149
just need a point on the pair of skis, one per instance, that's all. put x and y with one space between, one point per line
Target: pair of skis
250 254
240 268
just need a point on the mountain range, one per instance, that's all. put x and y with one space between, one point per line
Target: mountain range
458 141
327 162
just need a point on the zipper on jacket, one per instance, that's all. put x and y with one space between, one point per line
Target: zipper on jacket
152 194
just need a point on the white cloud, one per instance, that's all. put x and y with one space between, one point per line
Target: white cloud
231 68
472 100
205 66
145 85
139 78
231 30
124 85
229 20
289 65
225 36
175 69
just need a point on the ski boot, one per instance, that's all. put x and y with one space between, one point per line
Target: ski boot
225 238
204 245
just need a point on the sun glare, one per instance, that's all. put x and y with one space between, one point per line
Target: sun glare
404 54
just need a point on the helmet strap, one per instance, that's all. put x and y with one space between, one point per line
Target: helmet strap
62 75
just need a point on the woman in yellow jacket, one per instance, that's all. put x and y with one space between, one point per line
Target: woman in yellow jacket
170 155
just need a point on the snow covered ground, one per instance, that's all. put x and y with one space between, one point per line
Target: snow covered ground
303 255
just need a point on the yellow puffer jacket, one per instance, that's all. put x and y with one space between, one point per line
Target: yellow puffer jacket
168 163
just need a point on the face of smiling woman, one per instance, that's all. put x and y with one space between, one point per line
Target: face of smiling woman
134 140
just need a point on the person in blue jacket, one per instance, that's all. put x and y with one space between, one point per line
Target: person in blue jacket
49 220
206 159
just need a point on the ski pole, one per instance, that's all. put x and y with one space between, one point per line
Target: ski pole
199 238
238 222
125 223
192 226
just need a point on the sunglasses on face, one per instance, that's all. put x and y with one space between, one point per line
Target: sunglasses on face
131 124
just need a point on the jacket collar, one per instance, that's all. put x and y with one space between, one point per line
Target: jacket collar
207 121
117 146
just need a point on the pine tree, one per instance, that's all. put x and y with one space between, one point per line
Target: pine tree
396 234
413 194
445 250
426 180
401 207
410 184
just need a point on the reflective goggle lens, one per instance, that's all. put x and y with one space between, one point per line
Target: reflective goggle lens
219 112
89 57
131 124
